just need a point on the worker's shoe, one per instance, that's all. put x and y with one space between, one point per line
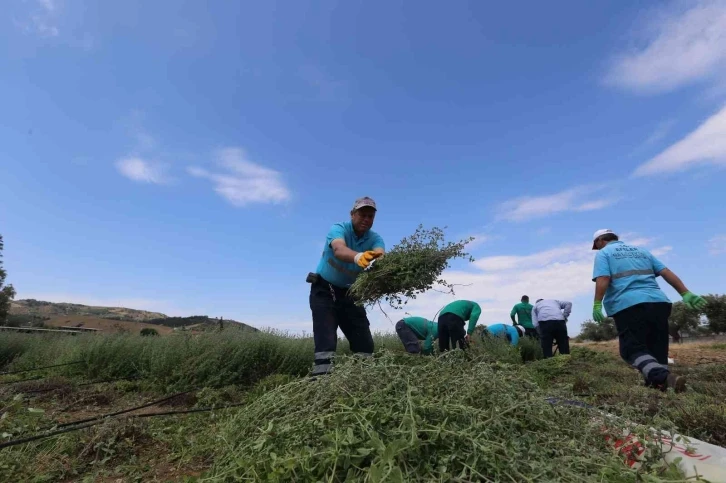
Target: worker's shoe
677 383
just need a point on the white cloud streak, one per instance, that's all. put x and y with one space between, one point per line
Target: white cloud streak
244 182
479 239
41 19
717 245
48 5
659 252
140 170
706 145
576 199
497 283
681 47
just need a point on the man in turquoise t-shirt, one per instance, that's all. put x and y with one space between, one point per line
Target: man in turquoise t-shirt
451 324
523 311
411 330
349 248
625 283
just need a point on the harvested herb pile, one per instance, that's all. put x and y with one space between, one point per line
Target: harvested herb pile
413 266
399 418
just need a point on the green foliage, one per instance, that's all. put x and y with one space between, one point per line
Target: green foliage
149 332
7 292
478 415
601 331
413 266
380 420
530 349
178 361
683 319
715 311
23 320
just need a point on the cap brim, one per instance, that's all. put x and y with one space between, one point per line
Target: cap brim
593 245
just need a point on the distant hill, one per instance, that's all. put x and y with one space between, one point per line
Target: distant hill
58 311
198 322
51 309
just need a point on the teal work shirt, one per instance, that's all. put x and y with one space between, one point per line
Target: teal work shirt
467 310
425 330
632 271
523 311
507 331
337 272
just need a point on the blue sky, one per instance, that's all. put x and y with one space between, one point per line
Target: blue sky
189 157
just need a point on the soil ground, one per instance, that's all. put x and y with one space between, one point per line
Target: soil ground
686 354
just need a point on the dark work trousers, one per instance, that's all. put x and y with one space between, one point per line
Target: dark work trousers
333 308
451 332
553 330
643 335
408 338
531 332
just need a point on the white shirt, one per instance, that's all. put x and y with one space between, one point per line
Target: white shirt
549 309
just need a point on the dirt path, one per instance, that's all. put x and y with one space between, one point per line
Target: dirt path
688 354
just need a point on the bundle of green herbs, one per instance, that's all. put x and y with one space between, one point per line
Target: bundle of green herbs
412 267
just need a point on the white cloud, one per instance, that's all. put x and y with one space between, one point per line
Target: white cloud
659 252
479 238
681 47
140 170
41 20
705 145
717 245
638 242
48 5
661 131
244 182
575 199
497 283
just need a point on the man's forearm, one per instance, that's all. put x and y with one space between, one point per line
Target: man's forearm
673 281
344 254
601 286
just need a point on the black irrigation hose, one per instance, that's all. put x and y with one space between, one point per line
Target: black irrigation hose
39 368
39 391
93 423
123 411
7 383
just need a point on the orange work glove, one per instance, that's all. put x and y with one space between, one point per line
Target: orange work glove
364 259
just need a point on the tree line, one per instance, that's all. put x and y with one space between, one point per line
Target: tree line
683 322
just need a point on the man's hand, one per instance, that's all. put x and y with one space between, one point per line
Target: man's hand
693 301
597 314
364 259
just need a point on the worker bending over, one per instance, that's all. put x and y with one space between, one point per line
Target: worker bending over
511 333
625 283
550 316
523 311
411 330
451 324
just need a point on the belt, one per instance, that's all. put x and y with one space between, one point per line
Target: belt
335 291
